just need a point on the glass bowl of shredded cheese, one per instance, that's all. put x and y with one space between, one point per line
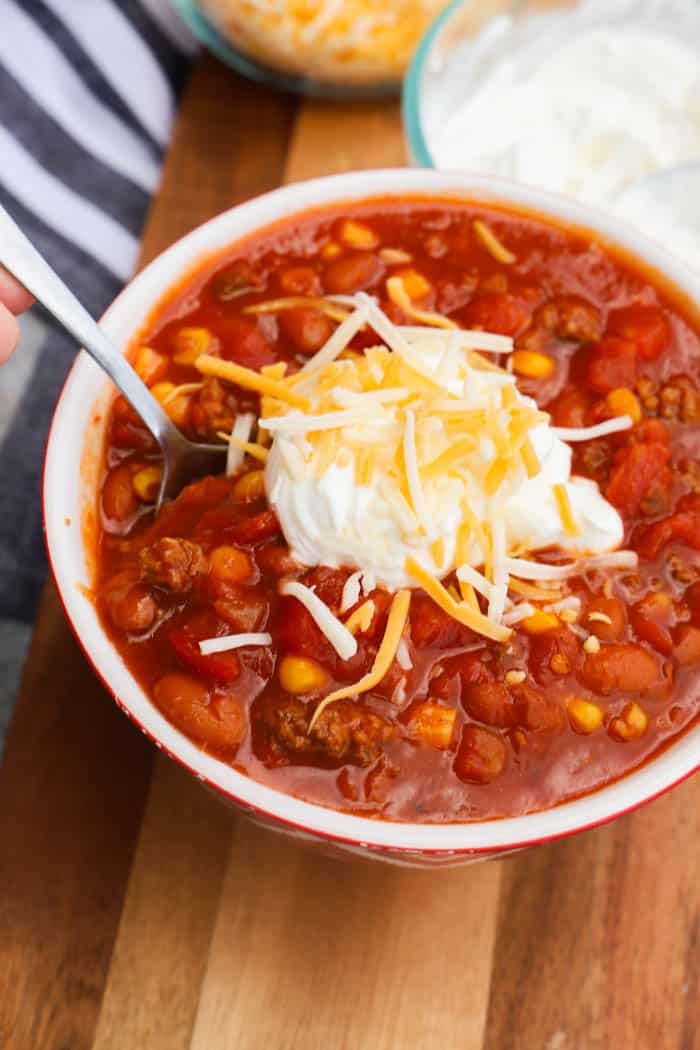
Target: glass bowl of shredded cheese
331 48
581 99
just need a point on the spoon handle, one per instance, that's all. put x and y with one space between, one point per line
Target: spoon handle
19 256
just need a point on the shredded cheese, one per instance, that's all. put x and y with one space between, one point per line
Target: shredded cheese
336 632
224 643
396 290
566 513
248 379
476 621
274 306
253 449
241 431
396 621
492 244
361 618
608 426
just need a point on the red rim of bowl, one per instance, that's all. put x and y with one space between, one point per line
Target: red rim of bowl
270 815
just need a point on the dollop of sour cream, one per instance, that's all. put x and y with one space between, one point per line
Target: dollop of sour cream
584 112
353 500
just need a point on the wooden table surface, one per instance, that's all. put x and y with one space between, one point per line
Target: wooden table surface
136 913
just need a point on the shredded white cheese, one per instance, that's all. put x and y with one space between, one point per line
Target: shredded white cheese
226 642
336 632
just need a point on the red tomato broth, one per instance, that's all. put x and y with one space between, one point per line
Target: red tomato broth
558 298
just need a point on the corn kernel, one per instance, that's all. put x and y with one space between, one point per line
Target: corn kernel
250 486
359 236
540 622
394 255
434 723
230 563
622 402
146 483
532 364
515 677
559 663
161 391
298 674
150 365
191 343
177 409
591 645
330 250
632 723
584 716
415 284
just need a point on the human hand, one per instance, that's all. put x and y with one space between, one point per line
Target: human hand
13 300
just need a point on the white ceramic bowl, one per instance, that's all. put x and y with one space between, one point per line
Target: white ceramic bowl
71 471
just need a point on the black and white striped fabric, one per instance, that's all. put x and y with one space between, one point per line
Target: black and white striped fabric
88 90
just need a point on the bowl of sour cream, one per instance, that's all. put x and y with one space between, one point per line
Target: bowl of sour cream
583 100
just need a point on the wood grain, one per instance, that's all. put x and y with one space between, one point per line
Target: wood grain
72 784
231 142
597 942
311 953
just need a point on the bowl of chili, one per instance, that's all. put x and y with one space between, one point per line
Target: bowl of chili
356 701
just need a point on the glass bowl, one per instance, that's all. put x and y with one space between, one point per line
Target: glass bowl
258 52
666 206
476 39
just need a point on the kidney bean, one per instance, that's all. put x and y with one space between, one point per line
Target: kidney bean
623 667
130 605
216 720
277 559
299 280
481 756
119 500
489 702
535 712
307 330
353 273
615 611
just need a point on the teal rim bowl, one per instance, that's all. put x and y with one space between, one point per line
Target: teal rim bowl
460 18
214 41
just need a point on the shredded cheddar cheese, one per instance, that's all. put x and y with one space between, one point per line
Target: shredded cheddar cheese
248 379
396 621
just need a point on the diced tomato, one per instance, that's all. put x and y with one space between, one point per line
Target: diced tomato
430 626
253 530
500 312
636 469
243 342
552 654
692 599
222 667
683 525
645 326
569 409
651 619
686 641
612 363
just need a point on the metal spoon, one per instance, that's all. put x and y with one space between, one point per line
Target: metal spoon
182 459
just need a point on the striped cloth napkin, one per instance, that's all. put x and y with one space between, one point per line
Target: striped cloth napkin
87 96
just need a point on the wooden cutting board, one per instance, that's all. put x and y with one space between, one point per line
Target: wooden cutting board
136 913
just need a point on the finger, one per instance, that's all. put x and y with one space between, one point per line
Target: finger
9 333
12 294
